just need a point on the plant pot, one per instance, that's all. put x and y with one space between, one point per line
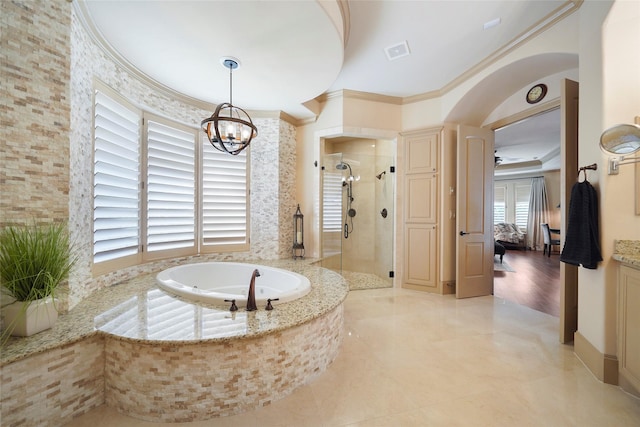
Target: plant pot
25 318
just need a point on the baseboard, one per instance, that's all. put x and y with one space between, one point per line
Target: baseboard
628 385
603 366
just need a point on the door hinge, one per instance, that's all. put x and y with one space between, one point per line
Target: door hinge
392 274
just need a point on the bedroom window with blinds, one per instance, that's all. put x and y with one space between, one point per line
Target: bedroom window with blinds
511 202
499 204
225 200
522 192
116 182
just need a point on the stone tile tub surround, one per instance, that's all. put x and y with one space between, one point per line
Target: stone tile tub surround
314 323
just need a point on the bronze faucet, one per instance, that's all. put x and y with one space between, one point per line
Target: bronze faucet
251 297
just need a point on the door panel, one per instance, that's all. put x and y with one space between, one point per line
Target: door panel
421 259
474 258
421 198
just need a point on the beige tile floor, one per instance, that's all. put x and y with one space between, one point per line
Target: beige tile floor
413 359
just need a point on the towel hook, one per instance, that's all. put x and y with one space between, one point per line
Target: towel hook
584 169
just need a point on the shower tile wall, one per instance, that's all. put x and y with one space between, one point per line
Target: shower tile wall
47 166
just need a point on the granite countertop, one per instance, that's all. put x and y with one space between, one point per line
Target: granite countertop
138 310
627 252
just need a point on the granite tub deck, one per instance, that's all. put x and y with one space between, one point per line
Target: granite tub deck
159 358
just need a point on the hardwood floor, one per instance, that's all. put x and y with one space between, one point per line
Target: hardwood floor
535 282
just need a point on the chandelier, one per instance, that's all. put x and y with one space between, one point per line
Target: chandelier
230 128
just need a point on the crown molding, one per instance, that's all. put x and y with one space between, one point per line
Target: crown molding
561 12
354 94
93 32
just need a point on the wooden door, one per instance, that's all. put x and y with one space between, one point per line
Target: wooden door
474 207
568 176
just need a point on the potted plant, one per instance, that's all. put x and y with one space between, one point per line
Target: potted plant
34 261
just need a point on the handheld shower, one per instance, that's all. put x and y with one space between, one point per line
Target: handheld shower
348 183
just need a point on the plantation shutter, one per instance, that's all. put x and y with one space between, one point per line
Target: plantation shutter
499 204
116 199
170 189
224 200
522 204
332 202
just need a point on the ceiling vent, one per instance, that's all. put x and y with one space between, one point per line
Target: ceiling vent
396 51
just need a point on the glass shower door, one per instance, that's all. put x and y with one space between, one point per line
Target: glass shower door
331 219
358 213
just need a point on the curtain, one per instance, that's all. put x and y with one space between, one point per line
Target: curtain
538 208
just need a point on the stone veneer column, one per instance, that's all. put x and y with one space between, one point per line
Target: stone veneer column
34 172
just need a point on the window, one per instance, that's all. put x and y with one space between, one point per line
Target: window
499 204
116 180
225 199
157 193
170 189
511 202
522 192
332 205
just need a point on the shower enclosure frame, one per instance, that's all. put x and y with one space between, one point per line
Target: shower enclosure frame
378 220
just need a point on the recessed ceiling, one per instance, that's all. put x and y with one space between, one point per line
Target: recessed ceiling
534 141
289 51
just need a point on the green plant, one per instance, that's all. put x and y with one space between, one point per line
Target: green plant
34 259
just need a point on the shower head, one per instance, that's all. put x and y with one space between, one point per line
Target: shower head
379 176
343 166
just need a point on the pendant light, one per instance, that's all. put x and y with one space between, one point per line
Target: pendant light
230 128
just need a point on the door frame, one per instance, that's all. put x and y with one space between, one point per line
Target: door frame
568 175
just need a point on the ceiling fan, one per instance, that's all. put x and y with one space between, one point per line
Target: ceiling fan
497 160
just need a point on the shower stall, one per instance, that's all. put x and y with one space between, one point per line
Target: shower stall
358 211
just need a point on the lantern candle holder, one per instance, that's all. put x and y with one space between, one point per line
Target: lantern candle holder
298 234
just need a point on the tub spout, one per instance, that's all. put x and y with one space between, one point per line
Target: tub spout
251 297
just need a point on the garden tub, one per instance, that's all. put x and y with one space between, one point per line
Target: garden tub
215 282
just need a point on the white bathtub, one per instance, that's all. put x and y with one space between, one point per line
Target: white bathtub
214 282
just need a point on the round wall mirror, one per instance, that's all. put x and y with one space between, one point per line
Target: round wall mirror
621 140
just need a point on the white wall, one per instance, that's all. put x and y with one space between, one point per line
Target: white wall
609 94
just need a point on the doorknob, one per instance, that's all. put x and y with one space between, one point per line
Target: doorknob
462 233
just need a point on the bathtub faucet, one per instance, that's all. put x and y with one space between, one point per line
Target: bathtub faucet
251 297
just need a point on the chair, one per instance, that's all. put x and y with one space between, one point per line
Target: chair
548 241
499 250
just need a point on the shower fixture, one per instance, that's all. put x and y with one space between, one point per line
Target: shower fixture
348 183
379 176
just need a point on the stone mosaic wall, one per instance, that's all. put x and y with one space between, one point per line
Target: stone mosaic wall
34 172
49 389
182 383
287 186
